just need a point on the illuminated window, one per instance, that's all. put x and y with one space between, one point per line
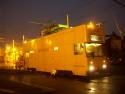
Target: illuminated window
94 49
27 55
96 38
49 42
32 42
56 48
78 48
31 52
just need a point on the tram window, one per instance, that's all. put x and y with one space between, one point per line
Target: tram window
94 49
78 48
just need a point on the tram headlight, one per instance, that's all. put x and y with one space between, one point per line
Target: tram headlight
104 66
91 68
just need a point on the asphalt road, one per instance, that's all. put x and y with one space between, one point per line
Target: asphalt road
38 83
13 87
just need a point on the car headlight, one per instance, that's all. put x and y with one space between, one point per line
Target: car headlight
104 66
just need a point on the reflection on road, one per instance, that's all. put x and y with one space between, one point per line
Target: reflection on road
104 85
99 85
7 91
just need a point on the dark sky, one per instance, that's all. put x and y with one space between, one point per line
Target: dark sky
15 15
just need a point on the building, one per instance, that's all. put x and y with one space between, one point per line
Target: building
115 47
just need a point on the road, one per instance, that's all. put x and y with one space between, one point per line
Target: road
12 87
32 82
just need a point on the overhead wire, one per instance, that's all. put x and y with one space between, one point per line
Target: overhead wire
119 3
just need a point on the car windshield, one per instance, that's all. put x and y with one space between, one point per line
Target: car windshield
94 49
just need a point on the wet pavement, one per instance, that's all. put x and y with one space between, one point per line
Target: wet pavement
12 87
111 84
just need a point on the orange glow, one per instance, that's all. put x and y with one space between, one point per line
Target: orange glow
49 42
56 48
31 52
91 62
25 41
27 55
8 48
32 42
90 25
11 55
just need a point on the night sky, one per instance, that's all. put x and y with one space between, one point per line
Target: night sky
16 15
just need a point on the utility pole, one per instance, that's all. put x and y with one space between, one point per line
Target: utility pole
23 38
13 52
67 20
13 44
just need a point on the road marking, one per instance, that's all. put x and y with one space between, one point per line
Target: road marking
7 91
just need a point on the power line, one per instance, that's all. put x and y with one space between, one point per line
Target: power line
69 11
119 3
